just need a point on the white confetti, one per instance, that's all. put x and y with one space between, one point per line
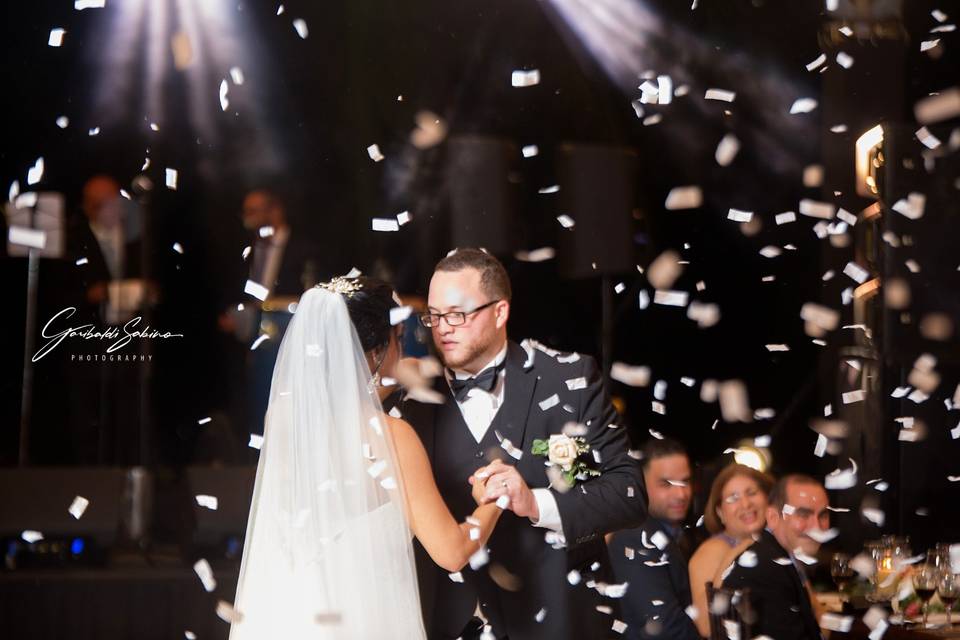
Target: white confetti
30 536
633 376
815 209
720 94
727 150
374 152
227 613
912 206
456 577
521 78
78 506
576 383
704 314
81 261
747 559
928 140
550 402
541 615
926 45
236 74
385 224
301 27
821 446
256 290
573 577
857 273
803 105
63 122
56 37
854 396
845 60
93 131
818 61
690 197
224 102
660 540
377 468
836 622
777 347
171 178
943 106
399 314
840 479
770 251
529 150
205 573
822 536
208 502
619 626
80 5
536 255
671 298
178 247
256 441
740 216
565 221
785 217
35 173
876 516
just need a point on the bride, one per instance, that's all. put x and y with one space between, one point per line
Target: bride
341 486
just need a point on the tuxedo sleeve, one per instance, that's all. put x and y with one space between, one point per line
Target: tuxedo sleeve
651 604
614 499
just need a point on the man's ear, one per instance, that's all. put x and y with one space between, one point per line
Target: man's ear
773 515
502 310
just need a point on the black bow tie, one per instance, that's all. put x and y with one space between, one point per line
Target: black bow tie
486 380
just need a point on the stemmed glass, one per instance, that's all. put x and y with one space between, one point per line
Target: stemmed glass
948 588
925 582
841 572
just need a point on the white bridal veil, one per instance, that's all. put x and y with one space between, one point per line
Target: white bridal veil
328 551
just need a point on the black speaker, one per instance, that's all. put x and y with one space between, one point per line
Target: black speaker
483 193
598 191
224 527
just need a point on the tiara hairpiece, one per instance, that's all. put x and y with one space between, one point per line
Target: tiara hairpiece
343 286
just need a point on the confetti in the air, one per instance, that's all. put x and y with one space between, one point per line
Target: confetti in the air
690 197
208 502
205 573
803 105
56 37
522 78
35 173
727 150
300 25
78 506
224 101
374 152
720 94
385 224
80 5
171 178
566 221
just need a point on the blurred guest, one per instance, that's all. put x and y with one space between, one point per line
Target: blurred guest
284 261
658 594
779 590
735 512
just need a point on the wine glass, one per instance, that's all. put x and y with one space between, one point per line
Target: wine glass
841 572
948 588
925 582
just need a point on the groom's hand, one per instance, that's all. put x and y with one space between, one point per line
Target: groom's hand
504 480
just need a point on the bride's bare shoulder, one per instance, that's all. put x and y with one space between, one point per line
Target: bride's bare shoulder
403 434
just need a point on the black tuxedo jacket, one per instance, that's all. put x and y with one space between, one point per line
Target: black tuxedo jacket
517 549
669 584
776 593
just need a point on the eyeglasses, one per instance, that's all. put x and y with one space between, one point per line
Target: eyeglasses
453 318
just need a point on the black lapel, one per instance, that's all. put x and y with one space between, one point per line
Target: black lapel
518 395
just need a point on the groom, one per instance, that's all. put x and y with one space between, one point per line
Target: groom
547 557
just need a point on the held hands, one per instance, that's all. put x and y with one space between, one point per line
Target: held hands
498 479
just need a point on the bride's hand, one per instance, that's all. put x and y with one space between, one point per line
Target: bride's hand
479 490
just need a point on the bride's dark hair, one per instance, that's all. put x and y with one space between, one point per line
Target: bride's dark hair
369 306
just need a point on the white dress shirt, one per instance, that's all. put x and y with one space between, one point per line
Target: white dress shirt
479 408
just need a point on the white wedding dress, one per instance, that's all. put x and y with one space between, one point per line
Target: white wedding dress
328 551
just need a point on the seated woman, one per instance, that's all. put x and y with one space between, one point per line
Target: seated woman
734 514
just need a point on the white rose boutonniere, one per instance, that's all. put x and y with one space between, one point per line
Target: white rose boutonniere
564 452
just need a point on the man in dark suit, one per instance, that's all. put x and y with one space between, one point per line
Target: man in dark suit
770 567
652 559
546 563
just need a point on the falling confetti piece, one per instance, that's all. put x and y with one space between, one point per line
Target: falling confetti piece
81 261
95 131
208 502
536 255
56 37
80 5
78 506
35 173
171 178
522 78
671 298
300 25
720 94
256 290
385 224
690 197
63 122
857 273
31 536
550 402
374 152
926 45
256 441
566 221
845 60
928 140
944 105
634 376
178 247
740 216
815 209
205 573
727 150
224 102
803 105
785 217
236 74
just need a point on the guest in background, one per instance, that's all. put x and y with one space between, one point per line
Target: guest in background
658 595
735 512
779 590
